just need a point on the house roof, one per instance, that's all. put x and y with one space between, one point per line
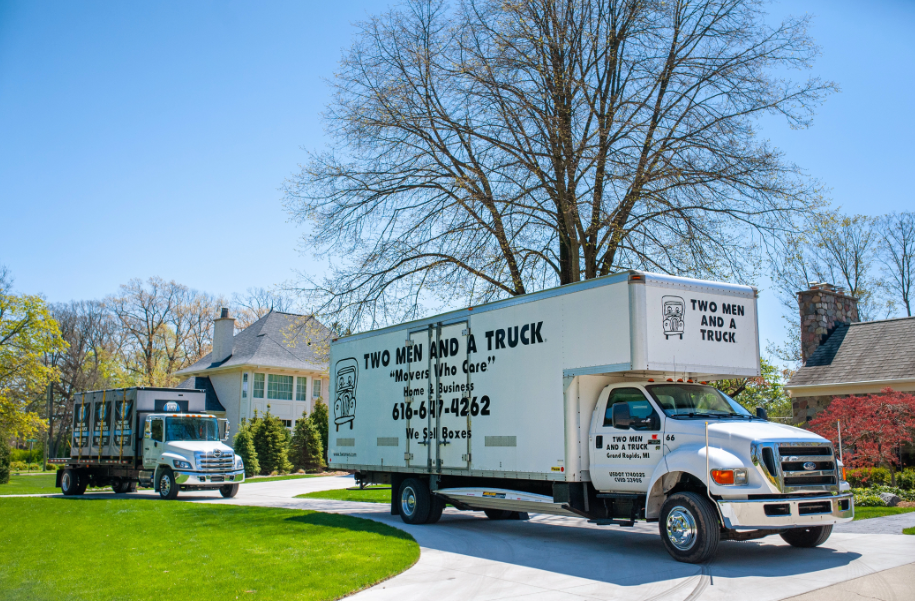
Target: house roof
280 340
867 351
204 384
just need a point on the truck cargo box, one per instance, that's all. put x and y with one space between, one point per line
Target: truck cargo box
105 422
492 391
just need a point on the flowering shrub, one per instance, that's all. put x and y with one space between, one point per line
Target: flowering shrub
871 477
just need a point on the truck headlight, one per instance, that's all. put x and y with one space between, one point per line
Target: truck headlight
239 464
730 477
182 465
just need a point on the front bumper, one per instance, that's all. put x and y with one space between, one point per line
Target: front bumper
209 479
797 512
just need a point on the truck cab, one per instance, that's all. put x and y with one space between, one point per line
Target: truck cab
184 451
654 441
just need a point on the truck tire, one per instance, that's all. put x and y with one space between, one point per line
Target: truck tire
229 490
83 482
435 513
69 483
498 514
805 538
415 501
168 488
689 527
121 486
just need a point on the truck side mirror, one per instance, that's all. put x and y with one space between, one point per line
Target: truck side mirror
621 417
762 413
224 429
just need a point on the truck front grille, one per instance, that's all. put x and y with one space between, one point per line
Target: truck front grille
798 467
208 462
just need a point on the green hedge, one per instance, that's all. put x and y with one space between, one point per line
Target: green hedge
27 456
870 477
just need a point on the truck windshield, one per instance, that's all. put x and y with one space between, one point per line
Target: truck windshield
685 401
191 428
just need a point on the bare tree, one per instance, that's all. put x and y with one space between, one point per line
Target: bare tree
257 302
834 248
492 148
90 362
166 327
897 253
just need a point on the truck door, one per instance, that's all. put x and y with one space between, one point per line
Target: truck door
454 401
153 441
623 457
418 400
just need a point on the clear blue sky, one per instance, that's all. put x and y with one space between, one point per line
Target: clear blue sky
141 139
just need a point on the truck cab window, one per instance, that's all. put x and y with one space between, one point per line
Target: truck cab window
192 429
157 430
695 401
644 417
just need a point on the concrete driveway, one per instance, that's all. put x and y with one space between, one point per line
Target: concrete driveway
468 557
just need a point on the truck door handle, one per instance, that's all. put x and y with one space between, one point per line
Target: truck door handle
598 442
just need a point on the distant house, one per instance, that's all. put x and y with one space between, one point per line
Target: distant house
276 361
842 356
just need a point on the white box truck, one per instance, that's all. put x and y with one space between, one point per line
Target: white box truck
588 400
181 447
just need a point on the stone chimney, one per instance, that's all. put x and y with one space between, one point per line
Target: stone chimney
823 307
223 336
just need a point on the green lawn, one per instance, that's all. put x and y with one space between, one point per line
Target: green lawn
908 530
29 485
151 549
864 513
275 478
369 494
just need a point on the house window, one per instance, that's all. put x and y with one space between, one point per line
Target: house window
279 387
316 388
301 389
287 422
244 386
258 386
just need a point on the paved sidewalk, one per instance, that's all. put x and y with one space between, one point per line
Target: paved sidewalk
896 584
890 524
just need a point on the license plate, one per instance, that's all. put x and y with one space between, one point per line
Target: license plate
217 479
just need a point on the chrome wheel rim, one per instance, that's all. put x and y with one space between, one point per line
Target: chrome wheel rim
681 528
408 501
66 481
165 485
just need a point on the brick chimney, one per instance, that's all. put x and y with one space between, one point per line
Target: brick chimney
823 307
223 336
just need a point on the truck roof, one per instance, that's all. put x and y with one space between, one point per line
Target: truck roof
632 274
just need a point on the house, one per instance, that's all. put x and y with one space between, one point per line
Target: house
842 356
278 361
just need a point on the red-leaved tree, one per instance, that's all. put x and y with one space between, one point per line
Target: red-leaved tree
873 427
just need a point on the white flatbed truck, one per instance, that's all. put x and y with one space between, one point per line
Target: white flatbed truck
160 438
590 400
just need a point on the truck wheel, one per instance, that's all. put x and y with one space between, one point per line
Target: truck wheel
689 527
415 501
69 483
229 490
806 537
498 514
168 488
435 512
120 486
82 483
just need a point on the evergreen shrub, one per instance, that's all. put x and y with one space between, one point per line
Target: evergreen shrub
244 448
306 452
